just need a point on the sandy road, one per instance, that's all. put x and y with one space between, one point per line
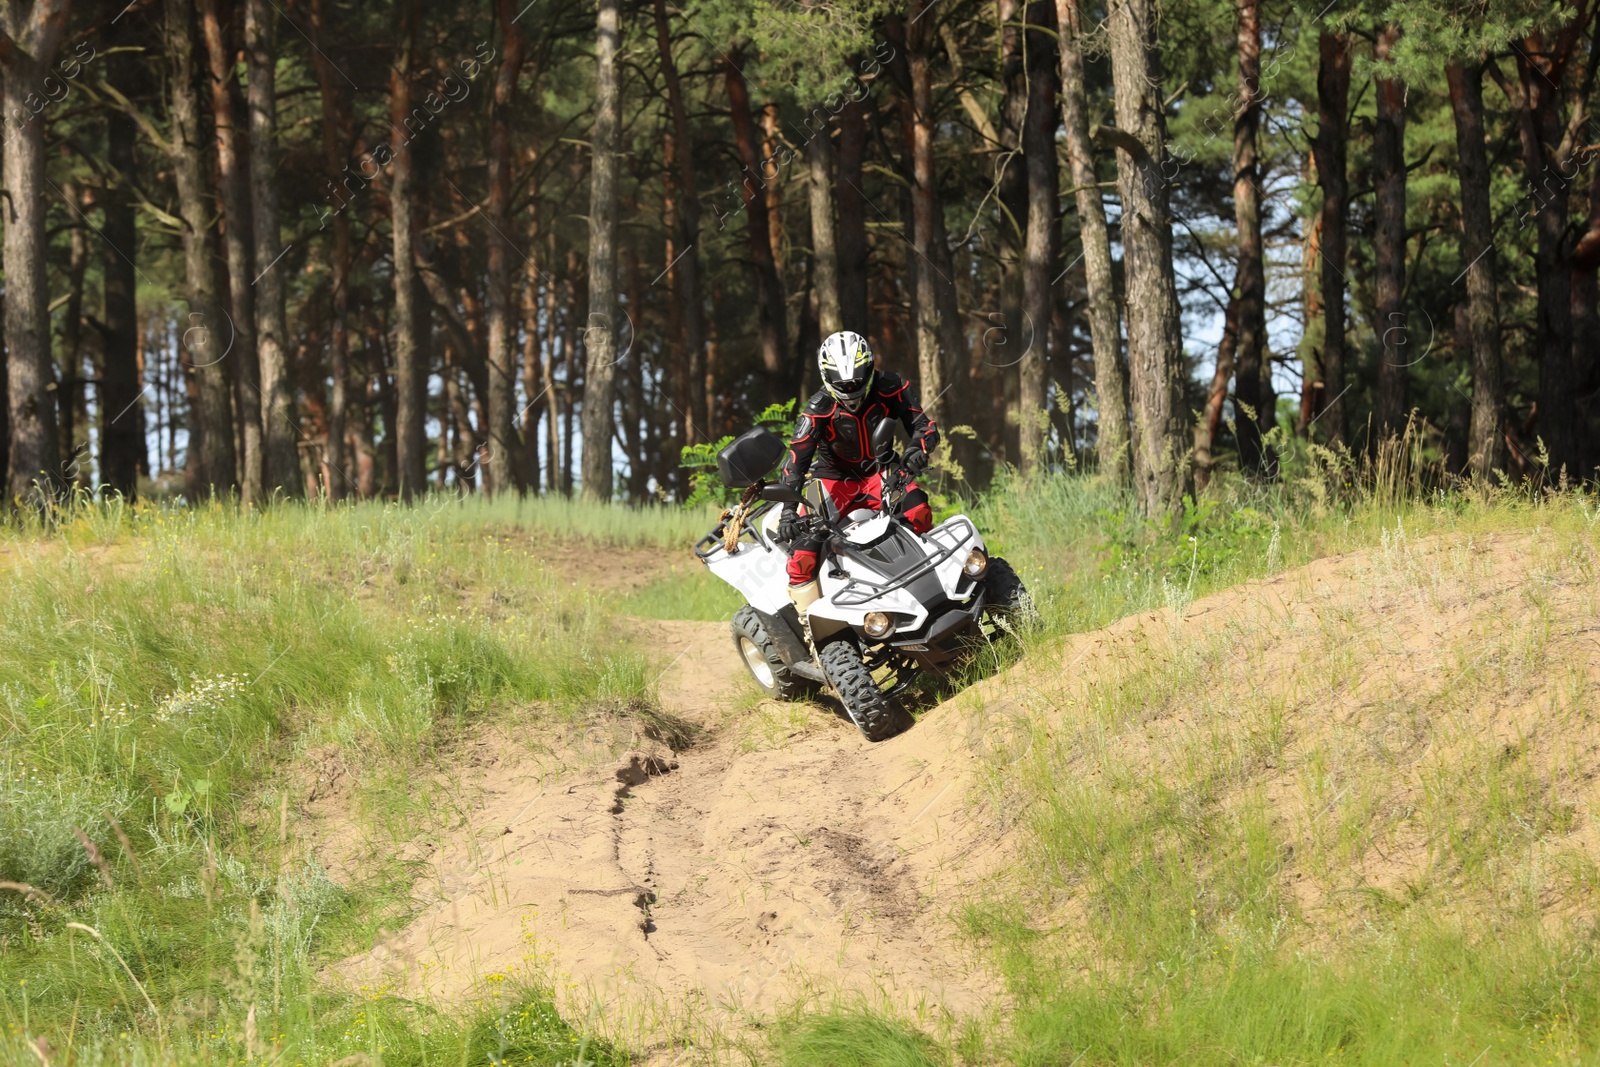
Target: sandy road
671 895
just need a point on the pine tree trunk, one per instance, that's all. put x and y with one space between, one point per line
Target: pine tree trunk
234 192
1333 105
577 297
1538 108
852 209
464 455
1105 329
924 202
772 308
72 389
807 336
633 435
714 419
362 468
211 458
953 354
600 333
1059 370
533 384
1586 323
1485 450
1310 351
1155 347
554 339
308 379
336 135
1389 245
447 454
1039 149
824 243
686 283
121 436
411 381
773 176
388 446
5 368
34 458
1205 431
278 426
911 269
677 374
501 470
940 341
1012 192
1253 414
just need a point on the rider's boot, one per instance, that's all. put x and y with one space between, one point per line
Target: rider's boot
805 595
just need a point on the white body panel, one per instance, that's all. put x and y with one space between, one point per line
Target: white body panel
900 601
758 571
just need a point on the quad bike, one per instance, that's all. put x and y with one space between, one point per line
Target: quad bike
893 603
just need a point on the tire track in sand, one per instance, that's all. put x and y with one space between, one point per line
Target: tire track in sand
678 893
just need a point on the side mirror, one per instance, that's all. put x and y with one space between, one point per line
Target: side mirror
883 437
780 494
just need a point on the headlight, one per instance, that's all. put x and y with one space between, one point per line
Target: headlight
977 563
877 624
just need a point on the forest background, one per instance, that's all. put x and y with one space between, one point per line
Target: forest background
358 251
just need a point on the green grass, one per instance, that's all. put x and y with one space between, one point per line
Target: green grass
1091 559
85 521
524 1029
663 526
853 1038
163 672
687 591
1431 995
1151 918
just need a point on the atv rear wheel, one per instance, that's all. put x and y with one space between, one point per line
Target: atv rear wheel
868 706
1008 599
761 658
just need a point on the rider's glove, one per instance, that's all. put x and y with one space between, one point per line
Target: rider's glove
789 524
915 461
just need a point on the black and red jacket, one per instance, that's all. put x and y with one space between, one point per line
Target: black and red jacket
832 442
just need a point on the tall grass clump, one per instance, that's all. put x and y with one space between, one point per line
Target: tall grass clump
87 520
1091 557
841 1037
163 670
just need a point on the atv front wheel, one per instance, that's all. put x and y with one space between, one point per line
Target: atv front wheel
1007 597
866 704
761 658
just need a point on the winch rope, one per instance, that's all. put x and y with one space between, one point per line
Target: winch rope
733 519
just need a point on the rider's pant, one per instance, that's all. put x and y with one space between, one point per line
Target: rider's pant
848 494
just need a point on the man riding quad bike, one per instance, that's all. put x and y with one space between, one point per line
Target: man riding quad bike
852 585
834 436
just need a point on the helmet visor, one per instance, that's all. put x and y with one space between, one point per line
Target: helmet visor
851 388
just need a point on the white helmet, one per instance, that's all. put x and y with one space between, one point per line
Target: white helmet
847 365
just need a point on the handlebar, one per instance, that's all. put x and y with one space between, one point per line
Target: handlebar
894 486
892 483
